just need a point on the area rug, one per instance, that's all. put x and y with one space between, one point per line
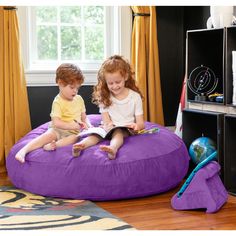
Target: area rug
20 210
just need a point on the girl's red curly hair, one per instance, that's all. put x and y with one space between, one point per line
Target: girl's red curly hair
101 93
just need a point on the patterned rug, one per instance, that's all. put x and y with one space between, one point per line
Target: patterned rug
20 210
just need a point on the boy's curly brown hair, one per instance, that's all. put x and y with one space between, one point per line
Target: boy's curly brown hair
101 93
68 73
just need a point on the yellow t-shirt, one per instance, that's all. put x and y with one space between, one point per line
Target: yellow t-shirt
68 110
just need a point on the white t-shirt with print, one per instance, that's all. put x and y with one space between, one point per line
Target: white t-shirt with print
123 112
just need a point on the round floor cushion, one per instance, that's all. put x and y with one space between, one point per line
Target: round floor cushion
146 164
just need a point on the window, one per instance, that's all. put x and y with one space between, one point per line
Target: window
84 35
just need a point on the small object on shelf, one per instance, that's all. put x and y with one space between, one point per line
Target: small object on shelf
200 98
212 97
202 81
221 16
220 99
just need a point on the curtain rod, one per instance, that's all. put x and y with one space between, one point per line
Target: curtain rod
141 14
9 8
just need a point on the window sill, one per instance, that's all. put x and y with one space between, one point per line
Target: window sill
35 78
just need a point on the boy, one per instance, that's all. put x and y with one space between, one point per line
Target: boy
67 115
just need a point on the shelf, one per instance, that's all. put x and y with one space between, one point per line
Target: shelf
230 46
209 124
229 153
205 54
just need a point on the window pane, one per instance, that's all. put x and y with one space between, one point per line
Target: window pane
70 14
94 15
47 42
70 43
46 14
94 43
70 33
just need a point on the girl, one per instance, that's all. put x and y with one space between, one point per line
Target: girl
120 103
67 114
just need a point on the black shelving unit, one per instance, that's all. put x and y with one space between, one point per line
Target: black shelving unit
230 153
213 48
208 124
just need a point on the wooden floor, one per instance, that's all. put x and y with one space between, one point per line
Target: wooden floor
155 213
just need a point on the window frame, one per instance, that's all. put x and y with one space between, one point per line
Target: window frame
119 42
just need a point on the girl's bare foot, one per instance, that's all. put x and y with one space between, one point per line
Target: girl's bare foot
50 146
111 153
77 148
20 156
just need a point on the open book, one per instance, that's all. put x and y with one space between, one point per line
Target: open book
107 134
103 133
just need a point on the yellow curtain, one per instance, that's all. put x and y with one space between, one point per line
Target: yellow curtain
14 108
145 60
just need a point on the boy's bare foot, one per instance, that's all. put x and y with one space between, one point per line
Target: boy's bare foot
77 148
20 156
111 153
50 146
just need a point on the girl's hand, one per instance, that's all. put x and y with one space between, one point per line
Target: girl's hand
106 120
133 126
108 126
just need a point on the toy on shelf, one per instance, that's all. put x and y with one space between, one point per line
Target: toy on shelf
202 81
220 16
216 97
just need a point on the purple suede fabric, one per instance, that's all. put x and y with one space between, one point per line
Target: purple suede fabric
146 164
206 190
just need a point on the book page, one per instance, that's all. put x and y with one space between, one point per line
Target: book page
94 130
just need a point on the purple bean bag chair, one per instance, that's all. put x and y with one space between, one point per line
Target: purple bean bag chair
146 164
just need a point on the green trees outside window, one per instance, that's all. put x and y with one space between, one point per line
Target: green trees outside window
70 33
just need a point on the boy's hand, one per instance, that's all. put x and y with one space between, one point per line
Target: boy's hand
81 125
75 126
